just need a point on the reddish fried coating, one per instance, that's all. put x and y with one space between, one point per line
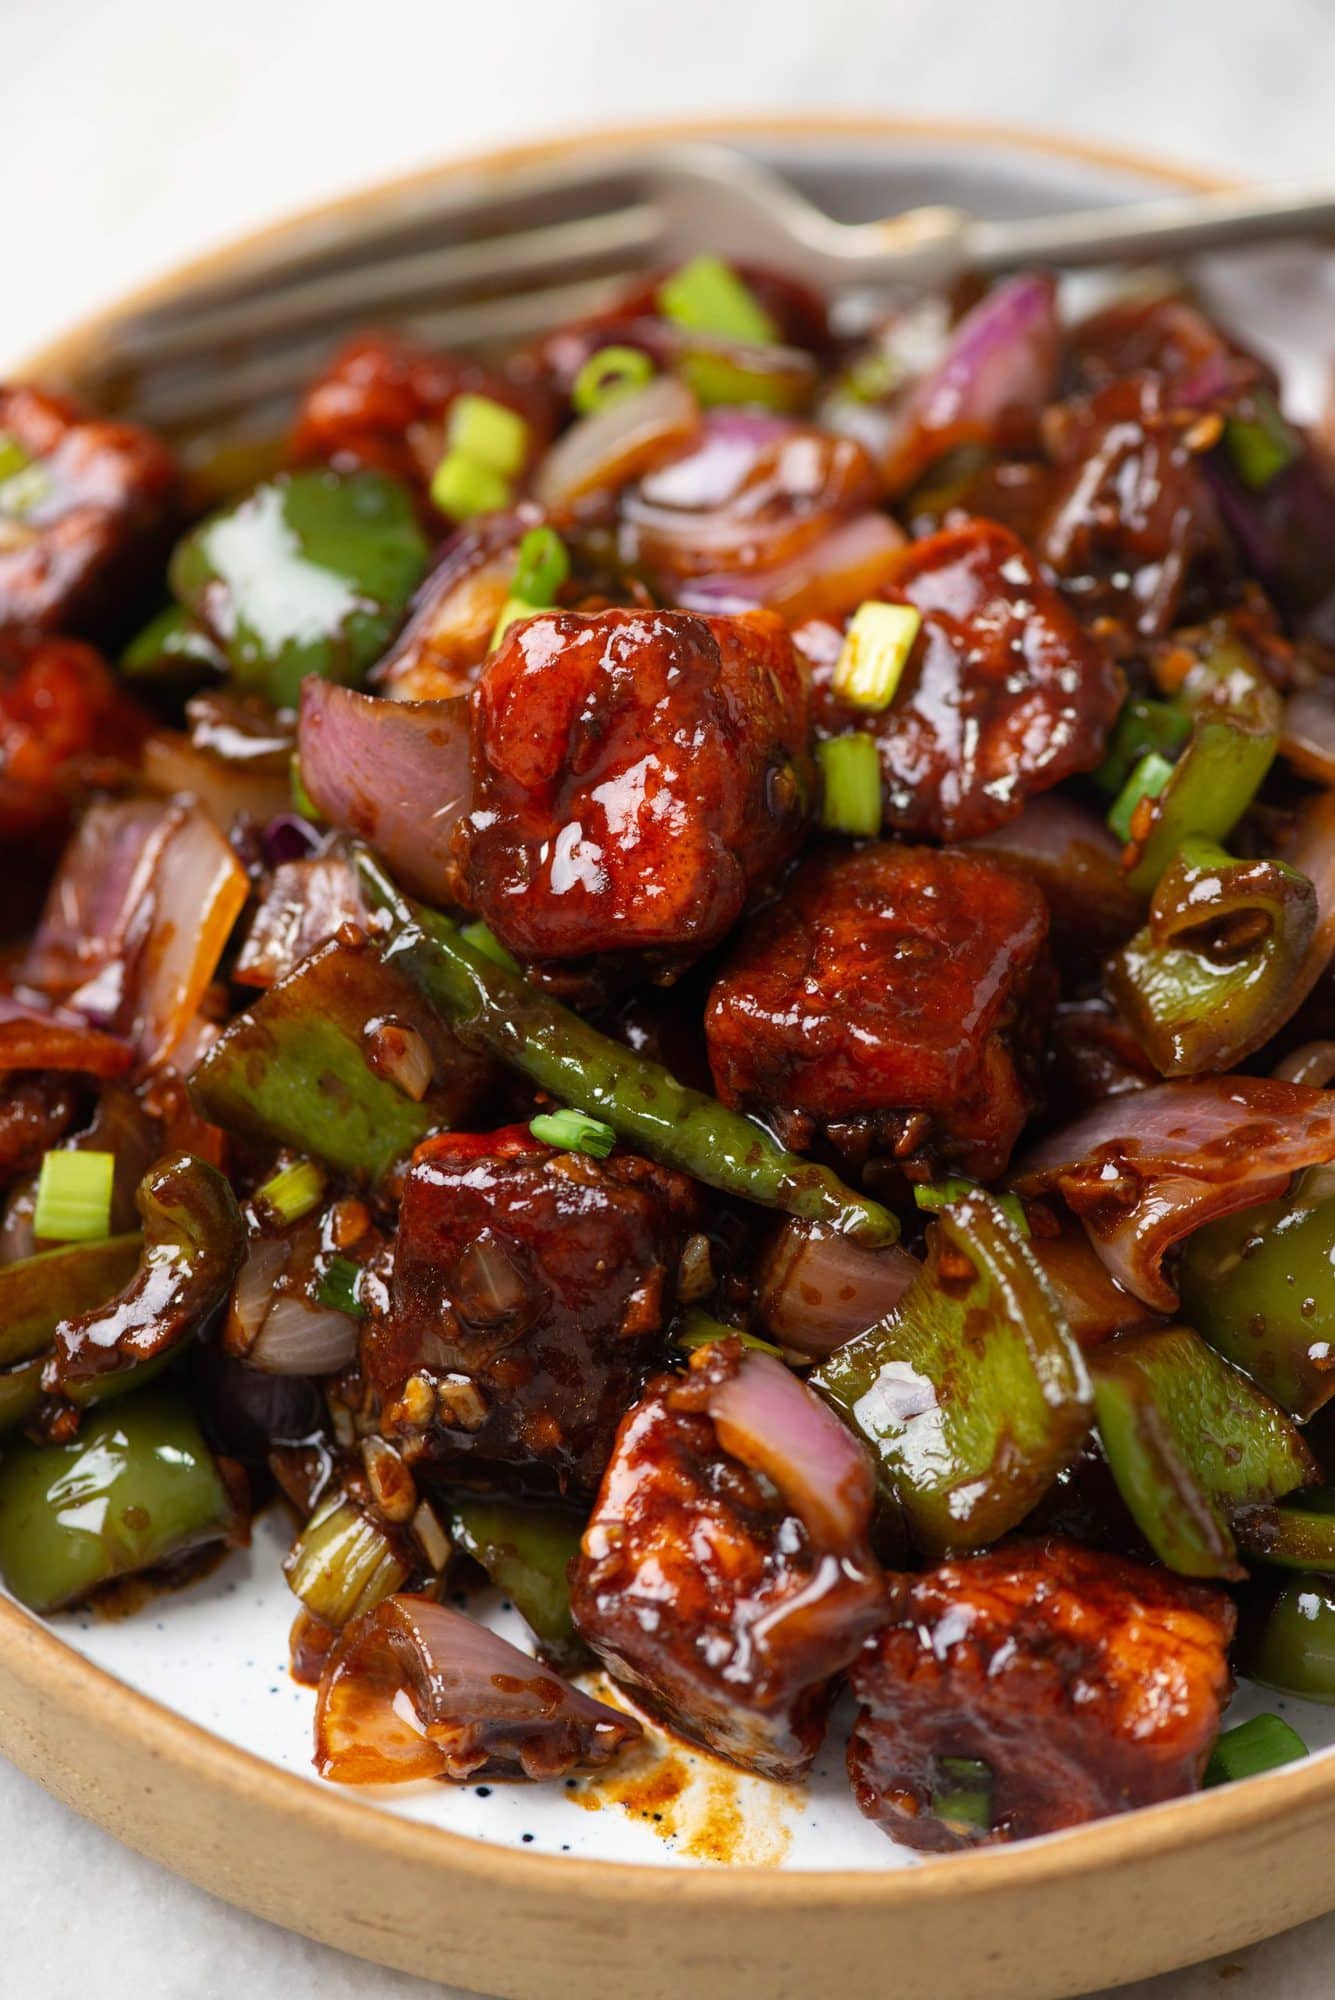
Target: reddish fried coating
64 725
530 1289
635 775
1086 1683
1004 694
84 521
895 999
699 1587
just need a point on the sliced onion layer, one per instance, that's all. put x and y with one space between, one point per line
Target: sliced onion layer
624 440
818 1288
769 1420
415 1690
828 580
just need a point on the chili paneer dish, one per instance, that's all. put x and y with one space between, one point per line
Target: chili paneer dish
693 974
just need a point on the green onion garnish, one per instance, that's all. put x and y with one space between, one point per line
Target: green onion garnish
609 376
1146 782
489 945
1142 725
541 567
871 377
1259 1745
337 1288
1262 445
723 381
851 769
707 296
935 1195
301 798
13 458
700 1329
489 433
462 486
74 1197
963 1793
294 1191
875 651
573 1130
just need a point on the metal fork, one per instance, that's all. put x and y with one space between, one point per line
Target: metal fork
483 262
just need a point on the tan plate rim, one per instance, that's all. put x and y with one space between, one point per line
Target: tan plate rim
220 1815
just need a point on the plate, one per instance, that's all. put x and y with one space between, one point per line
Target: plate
180 1730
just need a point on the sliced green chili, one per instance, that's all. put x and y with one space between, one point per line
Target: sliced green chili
1143 726
1295 1534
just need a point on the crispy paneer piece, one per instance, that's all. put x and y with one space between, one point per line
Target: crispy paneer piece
1004 694
699 1587
384 401
893 1002
86 508
65 725
530 1290
636 774
1085 1683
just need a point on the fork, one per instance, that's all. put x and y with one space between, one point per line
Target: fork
485 261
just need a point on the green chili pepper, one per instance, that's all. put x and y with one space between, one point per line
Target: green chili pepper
493 1008
295 1067
170 647
1300 1534
138 1485
1141 726
1211 976
972 1393
1231 748
1289 1642
194 1241
527 1552
310 573
1258 1286
344 1562
962 1797
1190 1441
36 1293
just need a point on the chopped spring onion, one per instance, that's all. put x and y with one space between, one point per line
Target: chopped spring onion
963 1794
575 1131
1262 445
936 1195
851 769
293 1191
337 1288
490 946
74 1197
541 567
872 376
13 458
608 376
343 1562
489 433
723 381
1259 1745
462 486
707 296
875 652
1146 782
1143 725
301 798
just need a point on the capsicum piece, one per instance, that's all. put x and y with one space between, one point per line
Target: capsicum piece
137 1486
527 1551
194 1240
972 1394
310 573
1211 976
36 1293
1190 1440
1260 1286
1298 1534
1288 1642
1232 746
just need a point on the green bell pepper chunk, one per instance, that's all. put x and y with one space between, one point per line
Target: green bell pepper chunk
172 647
1289 1644
310 573
972 1394
137 1486
1190 1441
1260 1286
1232 745
36 1293
1300 1534
1141 726
1211 976
527 1552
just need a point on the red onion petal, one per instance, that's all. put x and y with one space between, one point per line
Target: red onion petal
827 580
618 443
819 1288
1307 735
769 1420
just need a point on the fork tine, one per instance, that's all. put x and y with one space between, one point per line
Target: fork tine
615 243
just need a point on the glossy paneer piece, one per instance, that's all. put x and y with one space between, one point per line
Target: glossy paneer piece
1087 1684
1004 694
86 508
65 726
530 1290
894 999
636 774
384 401
699 1588
1132 516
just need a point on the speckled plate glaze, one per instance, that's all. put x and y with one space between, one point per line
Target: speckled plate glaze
180 1728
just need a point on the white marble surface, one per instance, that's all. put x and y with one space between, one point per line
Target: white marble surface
144 130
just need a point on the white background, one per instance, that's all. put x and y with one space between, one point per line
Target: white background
134 132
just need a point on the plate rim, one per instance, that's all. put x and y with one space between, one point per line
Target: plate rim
43 1677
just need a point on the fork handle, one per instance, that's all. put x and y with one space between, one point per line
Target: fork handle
1167 224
